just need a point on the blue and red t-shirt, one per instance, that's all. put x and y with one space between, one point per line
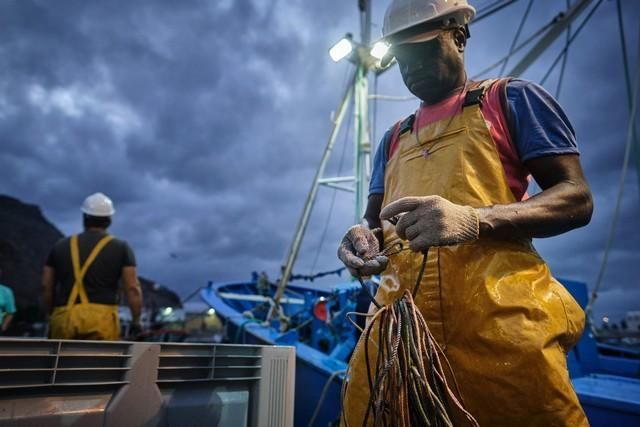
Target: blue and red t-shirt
539 125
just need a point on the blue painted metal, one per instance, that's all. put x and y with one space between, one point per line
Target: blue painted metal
313 366
607 400
617 360
325 347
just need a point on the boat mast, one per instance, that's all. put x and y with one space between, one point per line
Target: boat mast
362 142
359 90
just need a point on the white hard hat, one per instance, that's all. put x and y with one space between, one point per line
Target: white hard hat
403 15
98 205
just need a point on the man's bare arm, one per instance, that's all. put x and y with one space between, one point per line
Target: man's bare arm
8 317
564 204
48 287
134 293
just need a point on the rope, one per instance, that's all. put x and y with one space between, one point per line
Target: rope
312 277
625 165
571 39
408 385
516 37
323 396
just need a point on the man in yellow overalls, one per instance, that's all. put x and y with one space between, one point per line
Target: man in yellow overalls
455 174
81 279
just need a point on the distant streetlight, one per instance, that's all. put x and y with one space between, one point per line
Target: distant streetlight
211 312
167 311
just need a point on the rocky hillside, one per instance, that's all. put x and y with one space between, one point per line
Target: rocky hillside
26 237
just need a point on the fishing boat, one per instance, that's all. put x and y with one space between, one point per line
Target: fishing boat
316 320
317 326
324 338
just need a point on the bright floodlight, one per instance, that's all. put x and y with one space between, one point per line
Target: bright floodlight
341 49
379 50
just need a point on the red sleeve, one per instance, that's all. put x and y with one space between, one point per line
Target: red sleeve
497 119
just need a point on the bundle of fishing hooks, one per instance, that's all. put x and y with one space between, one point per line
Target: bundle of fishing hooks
408 384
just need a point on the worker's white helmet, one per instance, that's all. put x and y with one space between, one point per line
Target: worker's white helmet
403 15
98 205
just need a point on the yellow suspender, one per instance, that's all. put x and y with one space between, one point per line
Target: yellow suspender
79 272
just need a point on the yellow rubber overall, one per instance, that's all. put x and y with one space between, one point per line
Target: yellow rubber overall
504 322
84 320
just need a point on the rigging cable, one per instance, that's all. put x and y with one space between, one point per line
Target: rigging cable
627 79
520 46
564 57
516 37
480 16
571 39
625 165
534 184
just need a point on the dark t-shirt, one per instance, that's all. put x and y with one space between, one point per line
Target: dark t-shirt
102 278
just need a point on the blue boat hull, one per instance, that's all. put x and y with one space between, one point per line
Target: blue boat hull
608 400
313 368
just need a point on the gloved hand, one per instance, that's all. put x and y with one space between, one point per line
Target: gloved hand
433 221
135 328
359 250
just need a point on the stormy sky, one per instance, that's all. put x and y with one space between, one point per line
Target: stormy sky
204 120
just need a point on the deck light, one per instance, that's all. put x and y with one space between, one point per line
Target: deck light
379 50
341 49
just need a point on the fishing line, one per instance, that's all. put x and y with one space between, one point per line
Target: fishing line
408 380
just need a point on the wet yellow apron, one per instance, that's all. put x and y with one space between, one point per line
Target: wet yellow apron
85 320
504 322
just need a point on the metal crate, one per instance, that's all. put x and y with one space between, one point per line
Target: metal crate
92 383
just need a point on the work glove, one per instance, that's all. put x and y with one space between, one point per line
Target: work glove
432 221
359 251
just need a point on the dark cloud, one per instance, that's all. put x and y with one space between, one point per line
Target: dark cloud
205 122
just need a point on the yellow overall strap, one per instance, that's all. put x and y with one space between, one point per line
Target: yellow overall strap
79 272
